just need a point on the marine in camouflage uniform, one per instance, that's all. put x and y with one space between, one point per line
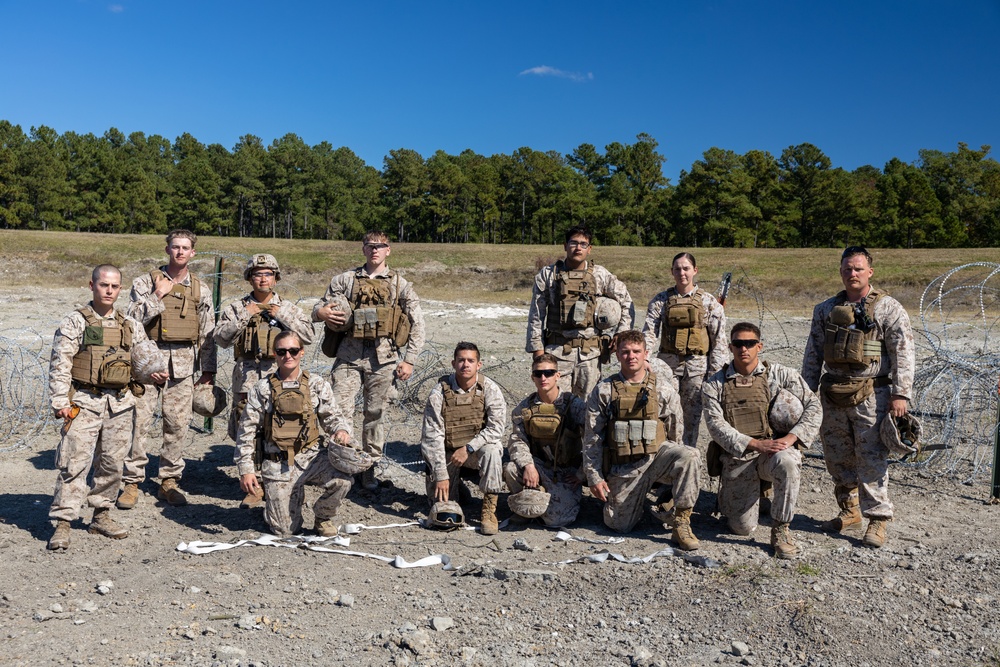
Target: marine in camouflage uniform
306 457
739 405
545 445
633 410
863 340
695 349
367 361
463 426
251 324
560 318
98 437
148 303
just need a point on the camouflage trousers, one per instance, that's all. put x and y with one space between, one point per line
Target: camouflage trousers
854 453
176 412
739 487
630 482
488 461
689 388
374 380
94 439
579 373
566 495
284 489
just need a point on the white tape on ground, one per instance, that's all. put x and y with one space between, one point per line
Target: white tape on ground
563 536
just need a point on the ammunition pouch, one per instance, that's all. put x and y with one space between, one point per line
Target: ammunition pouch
256 341
104 359
682 329
178 323
577 299
846 393
634 430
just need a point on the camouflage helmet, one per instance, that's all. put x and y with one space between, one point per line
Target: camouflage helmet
529 503
901 434
262 261
146 360
784 413
347 459
208 400
446 515
607 313
340 302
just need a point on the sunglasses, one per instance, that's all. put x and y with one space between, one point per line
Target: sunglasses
744 343
262 274
282 351
543 372
376 246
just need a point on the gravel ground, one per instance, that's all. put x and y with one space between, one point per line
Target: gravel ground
928 597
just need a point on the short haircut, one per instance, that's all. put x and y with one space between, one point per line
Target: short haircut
375 236
545 358
464 346
854 251
579 230
181 234
740 327
630 337
684 255
104 268
287 333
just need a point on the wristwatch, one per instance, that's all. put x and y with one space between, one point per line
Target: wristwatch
469 449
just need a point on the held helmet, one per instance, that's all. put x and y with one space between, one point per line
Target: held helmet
529 503
208 400
607 313
347 459
262 261
446 515
784 413
341 303
901 434
146 360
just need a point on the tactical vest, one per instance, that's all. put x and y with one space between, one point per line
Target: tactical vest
682 329
552 435
464 414
847 346
634 427
376 313
104 360
577 299
292 424
256 340
745 403
178 323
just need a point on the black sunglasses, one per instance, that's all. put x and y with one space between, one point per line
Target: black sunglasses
745 343
282 351
543 372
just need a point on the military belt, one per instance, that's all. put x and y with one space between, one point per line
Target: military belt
96 391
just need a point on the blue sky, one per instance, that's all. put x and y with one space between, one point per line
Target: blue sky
864 81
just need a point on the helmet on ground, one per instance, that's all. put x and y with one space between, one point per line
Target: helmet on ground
146 360
208 400
262 261
529 503
784 413
607 313
341 303
901 434
446 515
347 459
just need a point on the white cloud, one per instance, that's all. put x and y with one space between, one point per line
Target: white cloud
545 70
116 9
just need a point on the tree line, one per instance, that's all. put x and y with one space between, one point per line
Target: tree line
147 184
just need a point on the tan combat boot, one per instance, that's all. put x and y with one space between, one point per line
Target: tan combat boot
850 510
129 497
103 524
876 534
253 499
170 494
784 544
682 534
326 528
60 538
490 525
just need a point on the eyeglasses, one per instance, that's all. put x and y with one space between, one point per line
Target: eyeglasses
543 372
282 351
262 274
578 244
745 343
377 246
